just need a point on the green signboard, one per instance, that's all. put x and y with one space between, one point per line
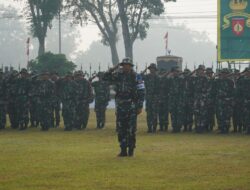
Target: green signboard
233 30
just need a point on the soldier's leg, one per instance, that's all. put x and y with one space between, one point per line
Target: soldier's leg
122 127
2 116
155 111
149 110
85 116
57 113
132 131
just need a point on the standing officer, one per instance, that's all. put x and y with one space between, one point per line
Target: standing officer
129 102
152 82
2 101
22 99
102 97
84 96
224 100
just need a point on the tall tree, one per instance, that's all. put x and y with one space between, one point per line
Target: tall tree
40 14
134 15
104 14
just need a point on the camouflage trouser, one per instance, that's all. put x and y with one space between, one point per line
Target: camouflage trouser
45 114
152 113
238 117
12 111
23 112
68 113
126 124
2 116
81 115
188 117
34 112
100 109
55 113
210 118
246 116
224 113
176 111
200 115
163 115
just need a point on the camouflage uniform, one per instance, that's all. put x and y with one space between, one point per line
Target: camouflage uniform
238 106
84 96
243 91
34 102
46 91
11 97
163 103
22 100
200 101
176 99
56 103
210 100
102 97
2 101
152 82
68 88
188 101
129 99
224 101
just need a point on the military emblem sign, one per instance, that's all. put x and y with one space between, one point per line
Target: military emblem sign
233 30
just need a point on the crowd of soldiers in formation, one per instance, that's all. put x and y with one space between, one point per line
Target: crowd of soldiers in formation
195 99
37 99
192 99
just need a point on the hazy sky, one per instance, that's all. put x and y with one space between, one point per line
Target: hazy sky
189 12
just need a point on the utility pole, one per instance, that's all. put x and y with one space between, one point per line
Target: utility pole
60 32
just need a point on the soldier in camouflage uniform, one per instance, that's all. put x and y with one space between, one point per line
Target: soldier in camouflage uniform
188 101
224 100
102 97
56 103
210 100
152 82
2 101
200 99
238 103
11 97
46 91
129 102
84 96
68 88
176 99
34 100
163 102
243 91
22 99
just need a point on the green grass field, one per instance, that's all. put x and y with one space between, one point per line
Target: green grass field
58 160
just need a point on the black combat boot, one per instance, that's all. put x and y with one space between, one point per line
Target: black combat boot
131 151
123 152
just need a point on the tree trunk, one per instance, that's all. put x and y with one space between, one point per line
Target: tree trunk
41 50
125 30
114 53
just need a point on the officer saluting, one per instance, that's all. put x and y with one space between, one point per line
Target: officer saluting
129 98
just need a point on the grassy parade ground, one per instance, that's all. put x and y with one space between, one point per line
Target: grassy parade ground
59 160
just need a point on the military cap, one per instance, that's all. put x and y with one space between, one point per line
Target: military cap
152 66
209 70
187 71
247 69
45 73
24 71
127 61
225 71
100 74
201 67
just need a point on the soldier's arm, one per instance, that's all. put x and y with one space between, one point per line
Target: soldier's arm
110 75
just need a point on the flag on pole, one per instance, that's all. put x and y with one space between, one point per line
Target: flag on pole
166 40
28 46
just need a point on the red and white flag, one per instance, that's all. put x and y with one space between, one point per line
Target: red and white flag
166 40
28 46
